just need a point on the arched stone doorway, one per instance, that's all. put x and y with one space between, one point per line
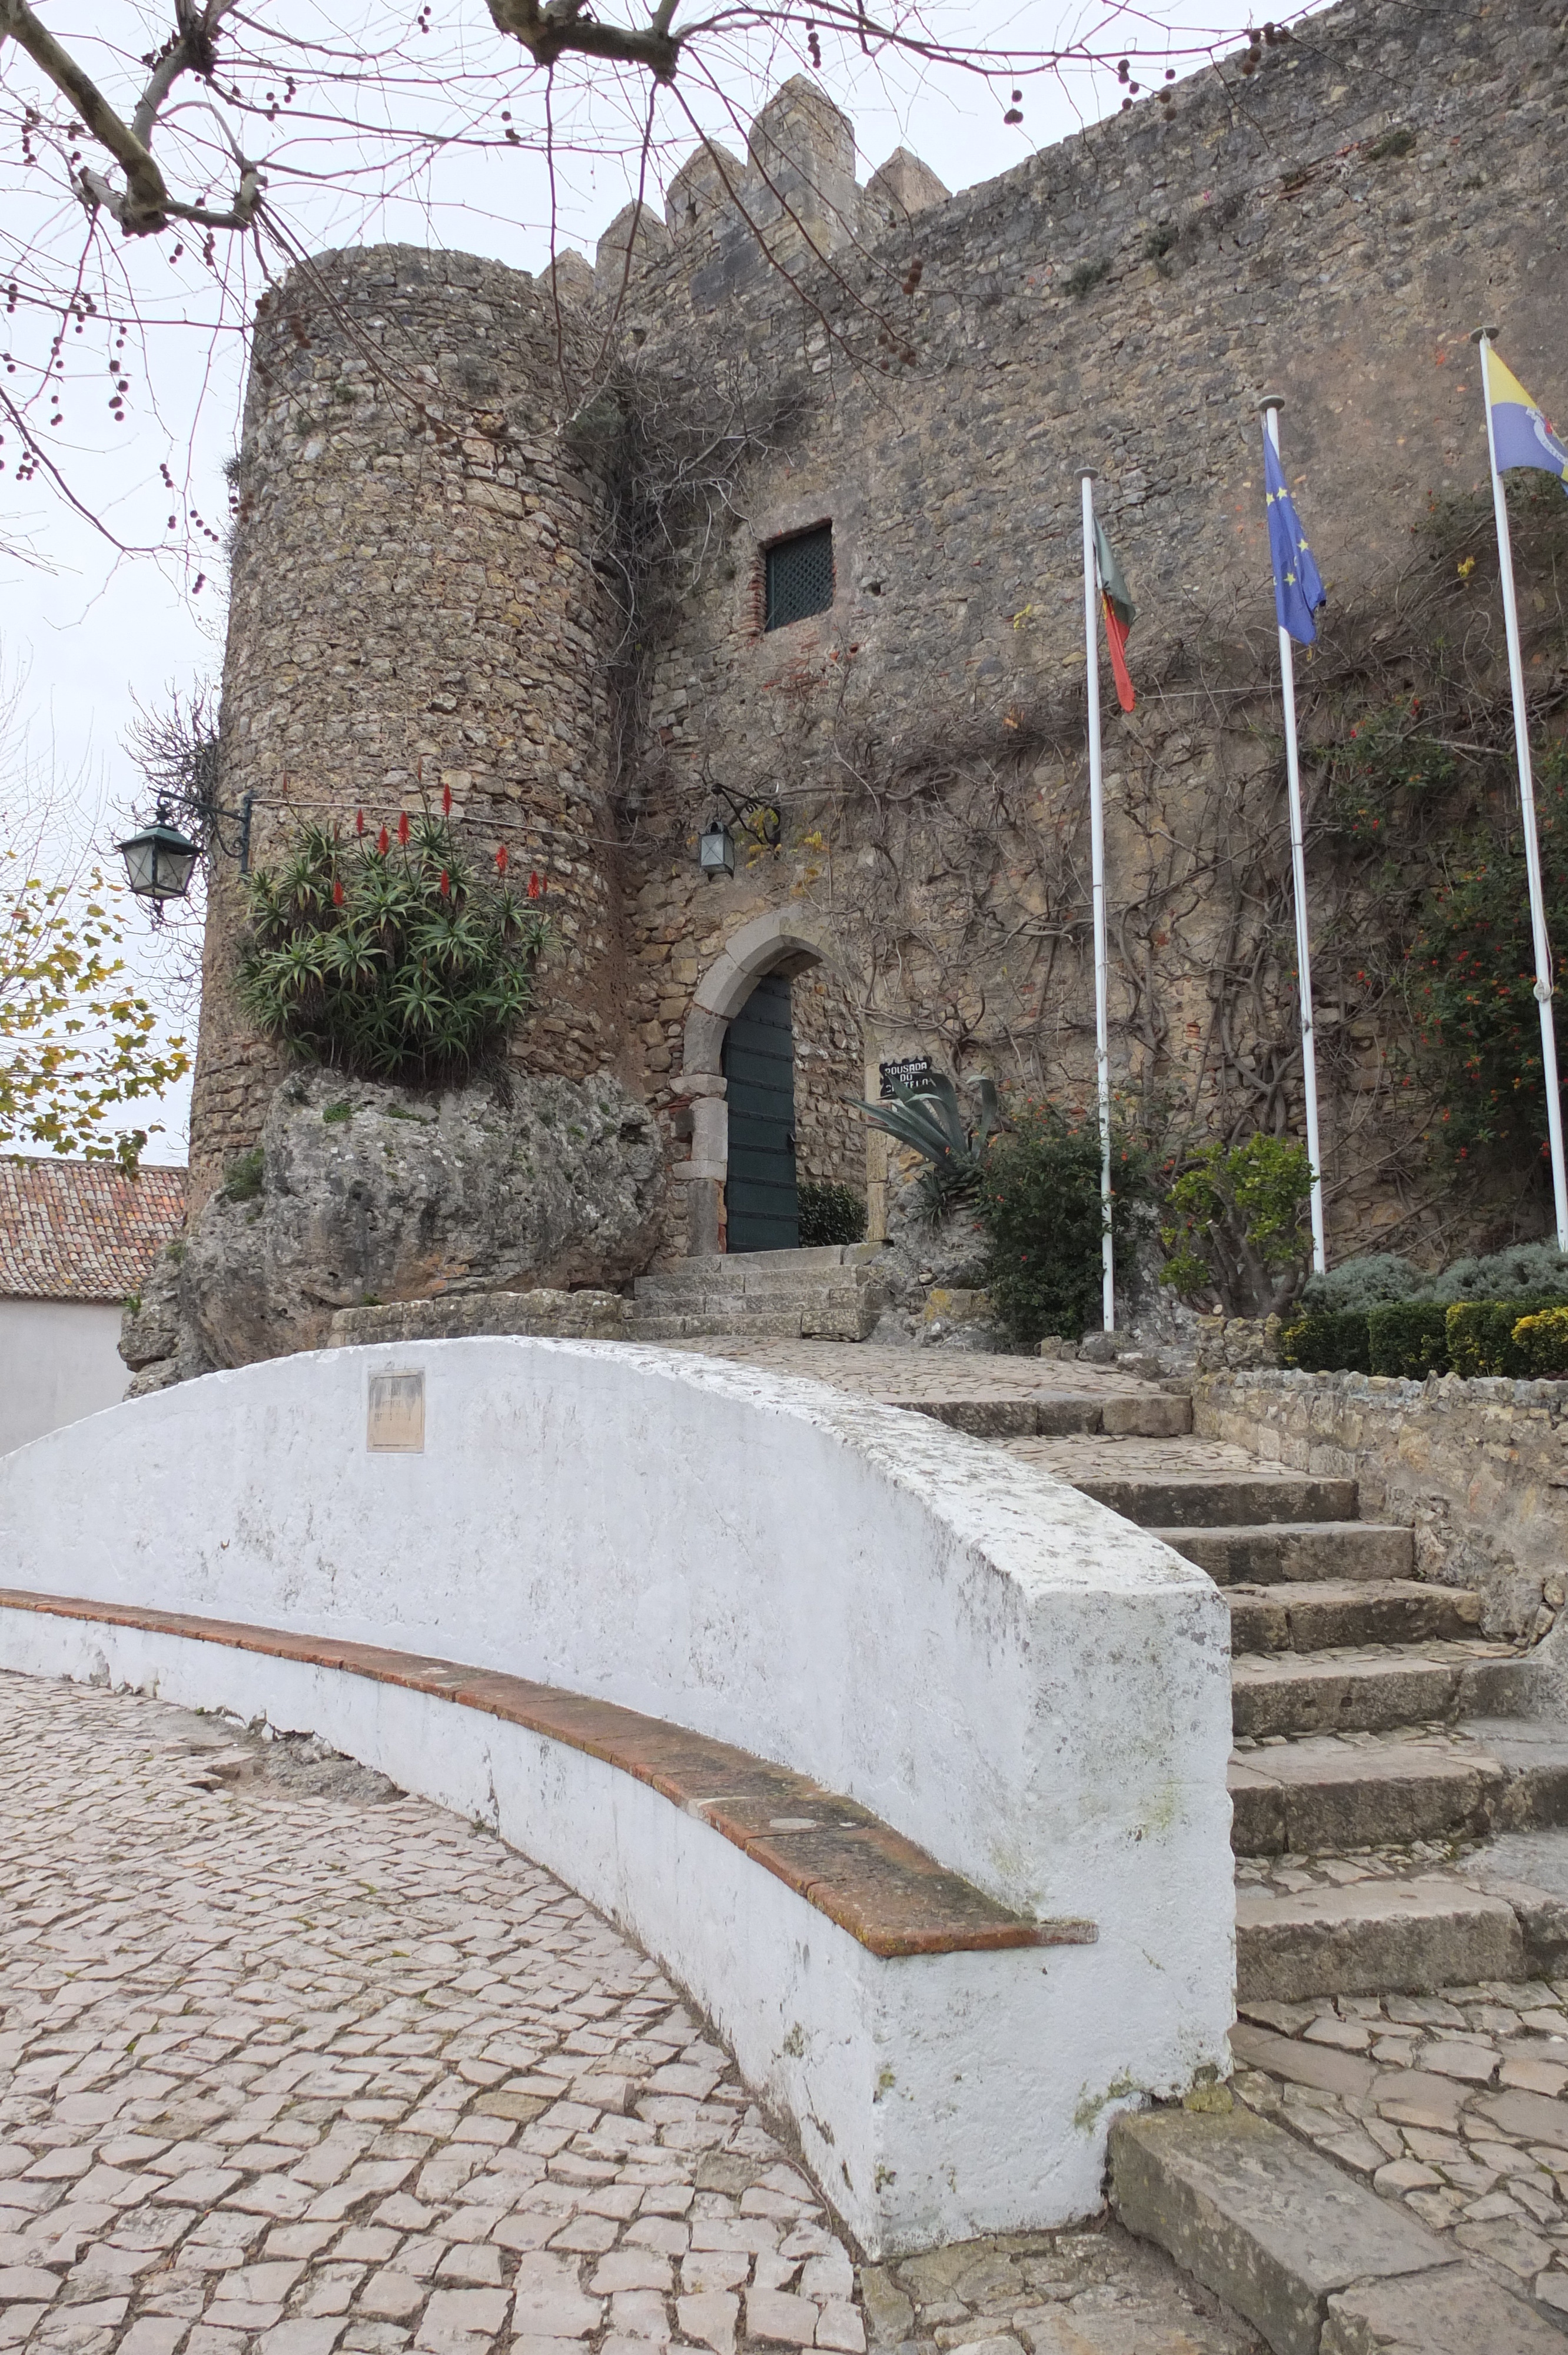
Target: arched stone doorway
799 1027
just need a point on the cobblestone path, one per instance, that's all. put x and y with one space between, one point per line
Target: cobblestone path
291 2063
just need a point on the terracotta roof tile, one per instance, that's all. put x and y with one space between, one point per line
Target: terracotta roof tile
82 1229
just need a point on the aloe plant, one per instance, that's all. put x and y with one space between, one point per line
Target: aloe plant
930 1121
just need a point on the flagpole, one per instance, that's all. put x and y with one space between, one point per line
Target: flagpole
1271 404
1483 336
1098 859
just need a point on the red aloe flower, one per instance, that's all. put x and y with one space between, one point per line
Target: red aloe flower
403 827
534 886
384 843
337 890
359 821
500 860
445 885
446 801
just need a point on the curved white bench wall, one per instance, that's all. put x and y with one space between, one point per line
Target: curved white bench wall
1015 1679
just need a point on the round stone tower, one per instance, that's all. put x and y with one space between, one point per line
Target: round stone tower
414 608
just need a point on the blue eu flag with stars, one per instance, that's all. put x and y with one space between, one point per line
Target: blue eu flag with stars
1298 590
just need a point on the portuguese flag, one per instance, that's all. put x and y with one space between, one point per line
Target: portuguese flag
1120 613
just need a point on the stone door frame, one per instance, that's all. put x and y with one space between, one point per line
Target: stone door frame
758 948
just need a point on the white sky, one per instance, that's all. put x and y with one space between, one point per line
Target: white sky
96 633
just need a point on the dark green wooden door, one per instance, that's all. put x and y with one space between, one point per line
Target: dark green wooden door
760 1065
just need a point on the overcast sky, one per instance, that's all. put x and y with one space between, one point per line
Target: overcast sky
97 633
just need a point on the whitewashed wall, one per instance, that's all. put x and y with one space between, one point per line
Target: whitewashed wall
59 1359
1028 1687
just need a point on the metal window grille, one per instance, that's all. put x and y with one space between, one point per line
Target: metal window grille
799 577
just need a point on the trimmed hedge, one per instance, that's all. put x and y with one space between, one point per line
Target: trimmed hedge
1542 1340
1333 1341
1481 1337
1408 1337
1522 1339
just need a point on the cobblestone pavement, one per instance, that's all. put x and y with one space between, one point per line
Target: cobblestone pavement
1453 2104
291 2063
872 1372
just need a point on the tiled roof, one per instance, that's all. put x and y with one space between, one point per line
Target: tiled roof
82 1229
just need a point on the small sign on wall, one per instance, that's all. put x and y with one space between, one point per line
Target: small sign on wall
907 1073
395 1422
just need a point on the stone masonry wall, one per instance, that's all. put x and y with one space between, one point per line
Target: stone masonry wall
414 609
1333 225
414 601
828 1073
1478 1468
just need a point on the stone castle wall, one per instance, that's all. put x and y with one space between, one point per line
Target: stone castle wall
1331 223
414 610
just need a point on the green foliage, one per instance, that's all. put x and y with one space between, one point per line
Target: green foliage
1392 143
830 1214
1523 1271
76 1039
1482 1335
1328 1341
1364 1283
1541 1341
1408 1337
1040 1206
930 1120
1086 278
335 1112
1471 985
242 1180
1236 1229
394 961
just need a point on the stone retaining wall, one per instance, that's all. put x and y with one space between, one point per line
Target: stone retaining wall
1479 1468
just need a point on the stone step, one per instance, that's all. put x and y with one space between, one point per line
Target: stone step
1176 1501
757 1271
1271 1553
1320 1796
1147 1414
1374 1937
1316 2262
1309 1615
1356 1690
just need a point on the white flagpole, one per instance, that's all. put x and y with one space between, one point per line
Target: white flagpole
1098 859
1271 404
1483 336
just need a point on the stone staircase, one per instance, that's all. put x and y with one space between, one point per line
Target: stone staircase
1380 1736
832 1293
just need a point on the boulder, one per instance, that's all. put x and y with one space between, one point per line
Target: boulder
360 1194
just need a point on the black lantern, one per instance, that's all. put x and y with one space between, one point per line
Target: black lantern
158 861
716 851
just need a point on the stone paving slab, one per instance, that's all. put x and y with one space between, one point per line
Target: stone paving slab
1453 2105
291 2064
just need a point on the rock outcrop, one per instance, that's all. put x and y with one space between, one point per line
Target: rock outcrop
361 1194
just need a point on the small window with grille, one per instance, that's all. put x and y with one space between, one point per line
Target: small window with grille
799 577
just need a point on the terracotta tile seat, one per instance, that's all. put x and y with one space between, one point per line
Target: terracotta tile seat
890 1896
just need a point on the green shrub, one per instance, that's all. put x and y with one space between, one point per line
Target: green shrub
830 1214
1237 1226
1328 1341
1038 1202
391 958
1541 1341
1408 1337
1481 1336
1364 1283
1523 1271
242 1178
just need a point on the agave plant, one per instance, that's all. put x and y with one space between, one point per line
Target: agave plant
388 958
930 1121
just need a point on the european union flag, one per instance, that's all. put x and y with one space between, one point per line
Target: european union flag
1298 590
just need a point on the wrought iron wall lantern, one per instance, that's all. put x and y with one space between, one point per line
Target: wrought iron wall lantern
160 860
756 816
